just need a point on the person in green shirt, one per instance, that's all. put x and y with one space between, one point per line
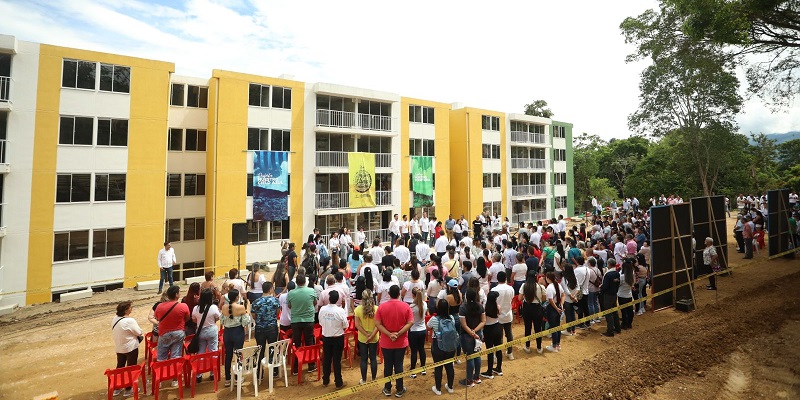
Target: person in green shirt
301 301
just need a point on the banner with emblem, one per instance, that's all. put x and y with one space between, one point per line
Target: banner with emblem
422 181
270 185
362 179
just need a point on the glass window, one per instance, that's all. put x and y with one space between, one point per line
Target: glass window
61 247
173 185
76 130
81 186
188 229
98 243
86 75
175 139
250 185
264 96
115 242
173 233
69 73
255 95
112 132
116 187
281 97
280 140
197 96
176 98
101 187
78 245
427 116
189 184
106 80
195 140
122 79
66 130
414 113
63 188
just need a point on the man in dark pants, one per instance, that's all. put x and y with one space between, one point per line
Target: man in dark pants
301 301
608 296
393 319
737 233
265 313
334 321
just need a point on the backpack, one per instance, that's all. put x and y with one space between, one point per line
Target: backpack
309 263
447 336
323 252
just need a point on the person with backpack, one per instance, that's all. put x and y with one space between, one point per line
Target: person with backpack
311 261
443 346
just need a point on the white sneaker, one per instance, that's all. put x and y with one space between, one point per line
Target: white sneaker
118 392
526 350
227 382
127 393
435 391
449 389
458 361
510 356
174 383
540 351
551 349
361 382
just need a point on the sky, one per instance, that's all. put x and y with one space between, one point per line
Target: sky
494 55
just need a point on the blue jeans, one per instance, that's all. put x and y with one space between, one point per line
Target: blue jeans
234 340
209 339
473 365
569 311
166 274
594 307
368 352
170 345
554 320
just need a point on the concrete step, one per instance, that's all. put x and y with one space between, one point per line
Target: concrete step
147 285
72 296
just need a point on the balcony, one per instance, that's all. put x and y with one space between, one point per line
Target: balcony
338 159
528 137
331 201
528 163
528 190
530 216
2 223
5 167
353 120
5 88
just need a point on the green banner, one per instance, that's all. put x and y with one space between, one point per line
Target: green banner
422 181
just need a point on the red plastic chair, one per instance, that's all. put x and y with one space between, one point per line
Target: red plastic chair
201 363
307 355
186 341
429 334
167 370
221 345
287 335
149 345
318 332
124 377
516 305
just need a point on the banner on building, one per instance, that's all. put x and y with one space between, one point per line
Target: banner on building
362 179
422 181
270 185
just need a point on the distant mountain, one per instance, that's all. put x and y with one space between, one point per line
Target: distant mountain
783 137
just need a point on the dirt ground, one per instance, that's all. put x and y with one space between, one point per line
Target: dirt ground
742 342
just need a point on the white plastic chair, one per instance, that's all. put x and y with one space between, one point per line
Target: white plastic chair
251 329
246 363
755 242
278 351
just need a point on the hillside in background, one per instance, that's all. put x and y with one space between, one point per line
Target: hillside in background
782 137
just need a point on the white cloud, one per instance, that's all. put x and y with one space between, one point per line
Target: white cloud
496 56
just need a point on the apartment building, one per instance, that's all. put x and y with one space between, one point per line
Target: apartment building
104 157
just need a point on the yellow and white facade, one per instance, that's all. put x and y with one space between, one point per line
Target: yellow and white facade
104 157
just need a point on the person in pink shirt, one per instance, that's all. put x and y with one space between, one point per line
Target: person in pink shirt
630 245
393 319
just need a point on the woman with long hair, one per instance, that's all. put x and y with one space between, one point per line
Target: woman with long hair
432 290
191 299
442 313
547 260
368 334
407 287
453 297
383 287
417 332
235 317
475 283
208 334
354 260
280 278
569 285
472 318
493 334
369 281
532 296
624 293
555 305
358 291
255 283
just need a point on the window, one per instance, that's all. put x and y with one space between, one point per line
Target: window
491 180
561 202
421 147
249 185
76 130
491 151
280 139
176 97
173 185
73 188
109 187
261 231
420 114
520 126
112 132
72 245
194 184
79 74
115 78
195 140
196 96
492 207
559 155
173 233
108 242
259 95
257 139
559 131
175 139
194 229
281 97
490 123
561 178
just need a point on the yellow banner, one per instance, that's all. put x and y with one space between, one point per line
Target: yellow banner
362 179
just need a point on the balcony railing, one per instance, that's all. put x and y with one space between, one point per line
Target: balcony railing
5 88
329 201
339 159
527 137
528 190
528 163
3 149
347 119
530 216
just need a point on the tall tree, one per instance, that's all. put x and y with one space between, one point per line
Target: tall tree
585 163
620 160
538 109
789 154
769 28
690 90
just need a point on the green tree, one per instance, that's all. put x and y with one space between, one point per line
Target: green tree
538 109
789 154
585 163
763 165
689 91
602 189
620 160
769 28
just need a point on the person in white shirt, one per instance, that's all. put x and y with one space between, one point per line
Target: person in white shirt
440 246
127 336
376 251
423 251
333 320
562 225
361 237
620 250
458 231
401 252
404 228
495 269
466 241
166 260
505 316
333 247
413 225
394 230
424 227
536 237
595 206
582 276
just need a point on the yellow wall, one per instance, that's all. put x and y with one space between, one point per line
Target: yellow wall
441 149
146 185
466 165
227 162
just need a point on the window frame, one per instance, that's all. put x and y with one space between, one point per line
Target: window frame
106 234
70 245
197 186
114 68
198 234
115 129
72 188
200 98
74 119
260 95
